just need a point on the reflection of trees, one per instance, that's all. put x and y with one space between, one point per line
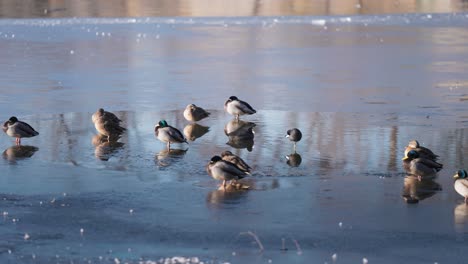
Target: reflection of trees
147 8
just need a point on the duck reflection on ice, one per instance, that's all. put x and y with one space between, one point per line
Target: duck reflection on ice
416 189
240 134
18 152
168 156
104 149
193 131
230 196
294 159
460 217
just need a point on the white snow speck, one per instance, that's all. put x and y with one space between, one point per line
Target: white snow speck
5 213
116 261
318 22
81 231
72 52
334 257
130 211
26 236
340 224
9 251
365 261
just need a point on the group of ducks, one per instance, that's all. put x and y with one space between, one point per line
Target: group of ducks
227 167
422 163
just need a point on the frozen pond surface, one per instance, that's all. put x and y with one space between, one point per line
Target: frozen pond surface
359 88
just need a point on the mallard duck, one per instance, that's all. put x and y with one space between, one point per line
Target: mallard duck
194 113
236 160
423 152
237 107
461 184
107 124
168 134
294 135
107 116
223 170
420 167
18 129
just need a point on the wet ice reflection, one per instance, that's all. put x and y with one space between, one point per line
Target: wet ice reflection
14 153
416 189
240 134
193 131
105 149
166 157
293 159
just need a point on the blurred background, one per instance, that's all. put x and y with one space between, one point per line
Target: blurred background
203 8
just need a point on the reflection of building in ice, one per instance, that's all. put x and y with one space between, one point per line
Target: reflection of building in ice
204 8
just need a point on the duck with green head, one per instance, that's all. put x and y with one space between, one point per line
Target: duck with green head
423 151
421 167
168 134
461 183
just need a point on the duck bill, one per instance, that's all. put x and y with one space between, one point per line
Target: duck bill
405 158
456 176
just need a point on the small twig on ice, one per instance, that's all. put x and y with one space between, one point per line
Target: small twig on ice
252 234
298 247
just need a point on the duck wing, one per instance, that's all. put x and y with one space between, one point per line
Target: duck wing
245 107
25 129
230 168
176 134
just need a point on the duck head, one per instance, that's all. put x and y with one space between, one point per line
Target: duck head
411 155
413 144
461 174
215 159
12 120
233 98
162 123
